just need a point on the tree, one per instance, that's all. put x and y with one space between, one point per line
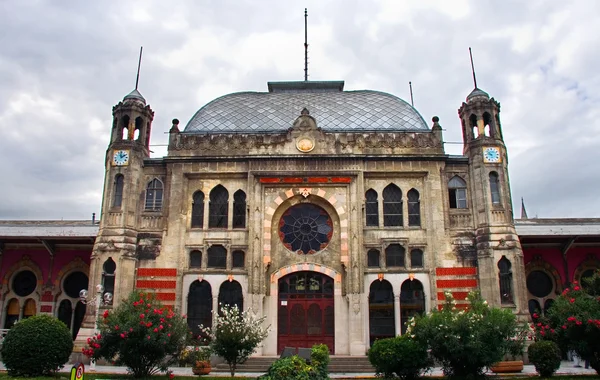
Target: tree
141 334
234 335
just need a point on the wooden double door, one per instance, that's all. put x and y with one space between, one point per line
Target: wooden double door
305 311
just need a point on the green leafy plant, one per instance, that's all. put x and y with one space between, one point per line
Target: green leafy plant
465 342
235 335
141 334
36 346
192 354
545 356
296 368
402 356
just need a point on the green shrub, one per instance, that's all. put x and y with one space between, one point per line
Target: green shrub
36 346
545 356
401 356
465 342
140 334
296 368
290 368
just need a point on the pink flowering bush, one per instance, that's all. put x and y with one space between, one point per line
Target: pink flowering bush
574 321
141 334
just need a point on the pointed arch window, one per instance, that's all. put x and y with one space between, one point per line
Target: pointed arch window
506 280
139 124
198 209
125 127
392 206
118 190
108 276
474 127
217 257
373 258
239 209
412 302
218 210
488 126
457 192
13 310
195 259
414 208
416 258
394 255
371 208
495 188
381 311
154 195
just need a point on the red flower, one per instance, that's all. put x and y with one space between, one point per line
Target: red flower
148 337
576 288
160 327
142 316
536 315
149 324
117 327
169 334
123 336
105 315
564 327
572 300
131 329
171 375
155 330
99 336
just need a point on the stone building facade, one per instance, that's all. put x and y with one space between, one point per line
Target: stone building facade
337 214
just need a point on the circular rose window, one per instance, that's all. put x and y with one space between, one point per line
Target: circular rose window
305 228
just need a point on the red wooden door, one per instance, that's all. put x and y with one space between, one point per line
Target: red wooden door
305 311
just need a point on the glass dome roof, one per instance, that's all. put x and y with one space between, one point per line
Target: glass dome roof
334 111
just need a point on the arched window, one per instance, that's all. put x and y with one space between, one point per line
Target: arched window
381 311
371 208
457 192
392 206
542 289
230 293
12 313
65 312
118 190
198 210
488 126
239 209
505 278
195 259
139 123
414 208
108 276
29 309
154 195
412 301
474 127
394 255
237 259
416 258
199 306
373 258
125 127
495 188
217 257
218 208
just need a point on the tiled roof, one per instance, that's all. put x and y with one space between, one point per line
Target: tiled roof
334 111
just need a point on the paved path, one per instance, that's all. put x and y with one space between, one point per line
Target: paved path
566 368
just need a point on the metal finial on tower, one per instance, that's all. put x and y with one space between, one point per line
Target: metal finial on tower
473 68
305 44
412 103
137 78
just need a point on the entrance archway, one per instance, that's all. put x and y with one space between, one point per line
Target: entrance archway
305 314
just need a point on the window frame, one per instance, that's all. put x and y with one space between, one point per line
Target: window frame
154 196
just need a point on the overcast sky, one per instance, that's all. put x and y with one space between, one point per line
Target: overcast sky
64 64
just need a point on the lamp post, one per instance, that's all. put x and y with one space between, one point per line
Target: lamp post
96 302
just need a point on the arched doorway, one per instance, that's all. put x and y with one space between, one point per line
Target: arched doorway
305 311
199 306
412 301
381 311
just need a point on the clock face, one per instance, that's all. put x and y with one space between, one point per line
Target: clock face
491 154
121 157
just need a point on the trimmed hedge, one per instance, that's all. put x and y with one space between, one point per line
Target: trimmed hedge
36 346
545 356
401 356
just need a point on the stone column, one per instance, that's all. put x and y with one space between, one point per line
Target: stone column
397 314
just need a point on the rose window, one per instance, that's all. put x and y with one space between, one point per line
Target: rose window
305 228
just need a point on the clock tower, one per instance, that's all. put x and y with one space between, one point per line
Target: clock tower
123 182
499 255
